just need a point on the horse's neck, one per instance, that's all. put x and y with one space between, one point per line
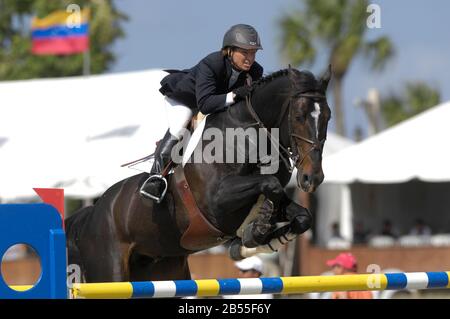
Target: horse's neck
268 100
269 103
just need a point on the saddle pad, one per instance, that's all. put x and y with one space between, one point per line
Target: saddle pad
193 141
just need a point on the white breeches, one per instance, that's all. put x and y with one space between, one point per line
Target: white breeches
178 117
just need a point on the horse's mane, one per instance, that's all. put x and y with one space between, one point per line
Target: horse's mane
303 80
270 78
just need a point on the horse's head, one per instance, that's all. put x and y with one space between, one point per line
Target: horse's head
308 119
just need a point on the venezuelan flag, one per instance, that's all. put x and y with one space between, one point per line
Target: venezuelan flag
61 33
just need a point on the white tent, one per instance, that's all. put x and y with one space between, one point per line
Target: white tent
402 174
76 132
415 148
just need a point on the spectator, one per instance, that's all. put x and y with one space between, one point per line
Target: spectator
388 230
420 228
336 231
346 264
360 235
337 241
251 267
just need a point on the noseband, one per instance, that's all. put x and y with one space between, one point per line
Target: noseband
292 154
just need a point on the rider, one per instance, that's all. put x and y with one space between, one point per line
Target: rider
216 82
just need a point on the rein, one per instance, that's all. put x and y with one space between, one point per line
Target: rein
294 154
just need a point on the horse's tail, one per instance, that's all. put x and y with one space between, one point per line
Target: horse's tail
73 227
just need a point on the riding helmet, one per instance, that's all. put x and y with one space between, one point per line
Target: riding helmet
242 36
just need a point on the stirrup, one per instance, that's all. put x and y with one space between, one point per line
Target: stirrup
157 199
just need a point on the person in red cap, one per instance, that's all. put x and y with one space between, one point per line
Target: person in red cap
346 264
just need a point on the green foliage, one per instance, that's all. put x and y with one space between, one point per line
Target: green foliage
378 51
336 25
416 98
338 28
16 60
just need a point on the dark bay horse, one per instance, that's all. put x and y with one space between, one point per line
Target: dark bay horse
124 237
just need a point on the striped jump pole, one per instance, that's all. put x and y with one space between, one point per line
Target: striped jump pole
276 285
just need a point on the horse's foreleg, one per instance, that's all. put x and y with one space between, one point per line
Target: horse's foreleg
238 251
236 192
299 217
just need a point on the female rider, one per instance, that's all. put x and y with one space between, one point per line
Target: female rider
219 80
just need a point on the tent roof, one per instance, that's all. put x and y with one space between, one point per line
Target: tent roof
415 148
77 131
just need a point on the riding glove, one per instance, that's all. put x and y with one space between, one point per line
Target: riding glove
241 92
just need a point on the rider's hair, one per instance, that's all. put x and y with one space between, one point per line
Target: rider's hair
226 52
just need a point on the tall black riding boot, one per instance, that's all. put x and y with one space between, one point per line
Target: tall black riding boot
155 186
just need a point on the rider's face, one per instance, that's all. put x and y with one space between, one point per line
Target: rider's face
338 270
249 274
243 59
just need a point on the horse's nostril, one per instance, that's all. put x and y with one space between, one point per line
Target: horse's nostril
305 178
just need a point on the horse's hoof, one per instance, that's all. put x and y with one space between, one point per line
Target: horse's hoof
255 234
249 241
300 224
235 250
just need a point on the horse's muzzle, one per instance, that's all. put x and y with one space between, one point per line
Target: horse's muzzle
309 182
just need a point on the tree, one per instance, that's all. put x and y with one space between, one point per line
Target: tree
16 60
415 98
338 28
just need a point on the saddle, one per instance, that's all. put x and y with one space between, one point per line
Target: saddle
201 233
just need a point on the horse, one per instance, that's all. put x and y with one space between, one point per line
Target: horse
125 237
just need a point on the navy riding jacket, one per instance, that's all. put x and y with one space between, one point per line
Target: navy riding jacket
205 86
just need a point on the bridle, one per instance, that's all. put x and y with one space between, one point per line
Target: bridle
293 154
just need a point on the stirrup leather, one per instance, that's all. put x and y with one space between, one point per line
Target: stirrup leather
157 199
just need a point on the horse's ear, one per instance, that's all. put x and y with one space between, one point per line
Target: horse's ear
293 76
323 82
291 73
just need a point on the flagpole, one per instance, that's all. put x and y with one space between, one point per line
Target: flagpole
87 62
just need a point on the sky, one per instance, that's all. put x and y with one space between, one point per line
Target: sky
178 34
